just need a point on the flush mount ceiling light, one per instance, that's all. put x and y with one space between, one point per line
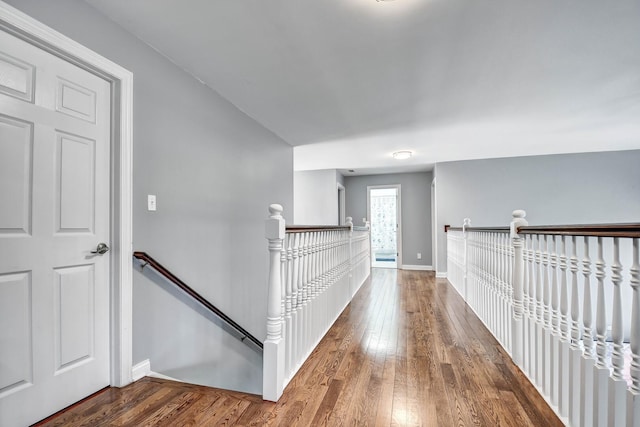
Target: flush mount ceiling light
402 155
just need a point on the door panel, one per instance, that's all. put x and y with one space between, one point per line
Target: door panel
54 210
75 184
15 176
74 315
15 342
16 77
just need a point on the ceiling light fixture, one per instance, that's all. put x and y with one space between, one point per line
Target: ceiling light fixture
402 155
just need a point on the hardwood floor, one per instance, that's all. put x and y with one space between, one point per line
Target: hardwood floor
406 352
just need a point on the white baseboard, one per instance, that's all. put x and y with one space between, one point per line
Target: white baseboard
163 377
417 267
141 370
441 274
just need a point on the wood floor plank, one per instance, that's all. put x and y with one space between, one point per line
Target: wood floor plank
406 351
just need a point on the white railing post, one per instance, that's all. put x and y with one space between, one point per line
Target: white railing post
352 285
633 405
273 356
466 224
518 278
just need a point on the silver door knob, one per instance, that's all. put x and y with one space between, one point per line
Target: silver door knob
101 249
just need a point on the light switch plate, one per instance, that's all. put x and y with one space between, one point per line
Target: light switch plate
151 202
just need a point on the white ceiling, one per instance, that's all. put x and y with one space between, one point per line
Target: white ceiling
347 82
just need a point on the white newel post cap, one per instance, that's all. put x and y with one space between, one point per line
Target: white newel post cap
275 226
349 221
518 220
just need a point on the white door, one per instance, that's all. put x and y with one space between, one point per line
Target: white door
54 210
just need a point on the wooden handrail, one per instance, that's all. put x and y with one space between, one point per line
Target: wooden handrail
488 229
597 230
305 228
143 256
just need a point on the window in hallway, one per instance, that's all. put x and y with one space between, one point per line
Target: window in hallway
384 217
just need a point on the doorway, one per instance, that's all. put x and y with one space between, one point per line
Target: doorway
66 172
383 211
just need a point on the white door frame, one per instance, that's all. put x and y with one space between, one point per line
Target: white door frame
398 187
342 199
27 28
434 226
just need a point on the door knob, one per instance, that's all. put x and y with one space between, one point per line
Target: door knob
101 249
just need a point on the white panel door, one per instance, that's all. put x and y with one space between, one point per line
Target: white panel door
54 210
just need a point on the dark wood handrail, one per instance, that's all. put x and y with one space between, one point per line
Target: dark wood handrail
143 256
597 230
305 228
488 229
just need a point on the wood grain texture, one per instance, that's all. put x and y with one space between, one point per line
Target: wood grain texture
407 351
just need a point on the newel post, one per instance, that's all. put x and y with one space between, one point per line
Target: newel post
352 285
273 355
466 224
518 220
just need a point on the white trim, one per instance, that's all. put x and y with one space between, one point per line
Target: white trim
434 224
342 204
27 28
398 187
163 377
141 370
441 274
417 267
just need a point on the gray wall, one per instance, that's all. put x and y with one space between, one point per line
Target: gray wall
315 197
559 189
416 209
214 171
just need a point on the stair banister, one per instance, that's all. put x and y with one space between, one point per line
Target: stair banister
273 378
518 281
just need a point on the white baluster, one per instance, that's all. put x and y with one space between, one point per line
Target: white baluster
539 316
587 310
588 360
288 325
546 318
555 325
508 296
525 305
575 352
564 332
306 294
273 352
617 383
533 347
635 336
466 224
601 379
617 358
296 300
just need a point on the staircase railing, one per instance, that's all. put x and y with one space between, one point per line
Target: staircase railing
164 272
314 272
564 301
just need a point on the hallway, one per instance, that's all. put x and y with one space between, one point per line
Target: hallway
406 352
